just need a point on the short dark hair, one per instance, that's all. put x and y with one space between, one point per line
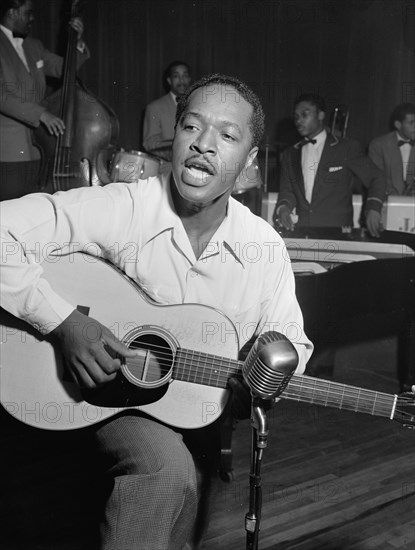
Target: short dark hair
314 99
257 119
6 5
400 112
169 69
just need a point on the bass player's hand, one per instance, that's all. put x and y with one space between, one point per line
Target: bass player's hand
86 346
54 124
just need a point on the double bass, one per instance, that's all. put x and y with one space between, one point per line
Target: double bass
79 157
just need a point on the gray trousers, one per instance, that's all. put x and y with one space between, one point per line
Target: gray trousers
155 485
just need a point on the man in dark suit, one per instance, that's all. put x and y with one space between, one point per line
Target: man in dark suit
160 115
394 153
317 175
24 63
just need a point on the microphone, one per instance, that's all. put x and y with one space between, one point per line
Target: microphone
269 365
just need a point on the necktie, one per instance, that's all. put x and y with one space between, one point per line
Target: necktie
18 42
410 142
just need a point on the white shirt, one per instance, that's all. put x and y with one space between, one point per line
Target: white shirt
244 271
405 150
17 44
310 157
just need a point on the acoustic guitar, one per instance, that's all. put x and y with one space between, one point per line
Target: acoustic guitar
185 357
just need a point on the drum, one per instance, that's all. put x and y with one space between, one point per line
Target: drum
248 188
130 166
249 178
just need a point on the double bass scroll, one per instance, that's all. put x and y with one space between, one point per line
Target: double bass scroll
79 157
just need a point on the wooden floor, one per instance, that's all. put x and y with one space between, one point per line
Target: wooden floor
331 480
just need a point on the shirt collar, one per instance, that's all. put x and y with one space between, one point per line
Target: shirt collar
320 138
14 40
168 219
230 234
9 34
228 238
400 138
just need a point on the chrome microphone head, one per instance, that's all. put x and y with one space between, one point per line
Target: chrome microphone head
269 365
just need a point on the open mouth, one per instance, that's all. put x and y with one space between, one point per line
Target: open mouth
199 170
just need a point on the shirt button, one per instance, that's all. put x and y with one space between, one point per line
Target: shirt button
193 274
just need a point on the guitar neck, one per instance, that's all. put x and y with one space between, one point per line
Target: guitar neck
340 396
203 368
211 370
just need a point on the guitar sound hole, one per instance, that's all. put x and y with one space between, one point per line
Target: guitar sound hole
153 362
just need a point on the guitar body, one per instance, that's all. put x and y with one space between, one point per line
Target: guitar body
34 384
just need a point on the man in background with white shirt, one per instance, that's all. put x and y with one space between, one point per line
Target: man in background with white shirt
160 115
24 63
394 153
317 175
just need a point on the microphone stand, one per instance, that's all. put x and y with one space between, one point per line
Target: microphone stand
259 425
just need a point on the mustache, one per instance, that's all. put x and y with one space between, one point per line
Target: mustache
202 161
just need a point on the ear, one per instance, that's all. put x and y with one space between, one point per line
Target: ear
251 156
169 81
321 115
397 125
11 14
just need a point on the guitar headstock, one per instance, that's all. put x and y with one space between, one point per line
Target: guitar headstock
405 410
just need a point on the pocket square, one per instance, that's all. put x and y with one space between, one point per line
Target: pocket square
335 168
39 64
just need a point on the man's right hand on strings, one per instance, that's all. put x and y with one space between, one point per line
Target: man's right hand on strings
86 346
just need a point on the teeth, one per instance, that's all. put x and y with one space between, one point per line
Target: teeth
200 167
197 173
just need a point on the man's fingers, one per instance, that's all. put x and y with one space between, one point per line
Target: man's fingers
91 372
374 223
78 25
80 372
55 128
118 346
93 353
54 124
58 126
287 222
105 360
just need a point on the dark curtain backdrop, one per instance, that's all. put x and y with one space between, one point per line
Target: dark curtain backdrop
355 52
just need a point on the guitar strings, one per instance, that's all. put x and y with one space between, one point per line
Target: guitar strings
309 389
214 364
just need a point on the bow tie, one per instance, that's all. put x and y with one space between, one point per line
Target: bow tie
410 142
306 141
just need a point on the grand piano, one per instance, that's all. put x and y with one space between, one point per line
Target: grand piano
354 287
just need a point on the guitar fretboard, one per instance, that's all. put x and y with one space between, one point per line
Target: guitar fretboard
211 370
204 368
341 396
